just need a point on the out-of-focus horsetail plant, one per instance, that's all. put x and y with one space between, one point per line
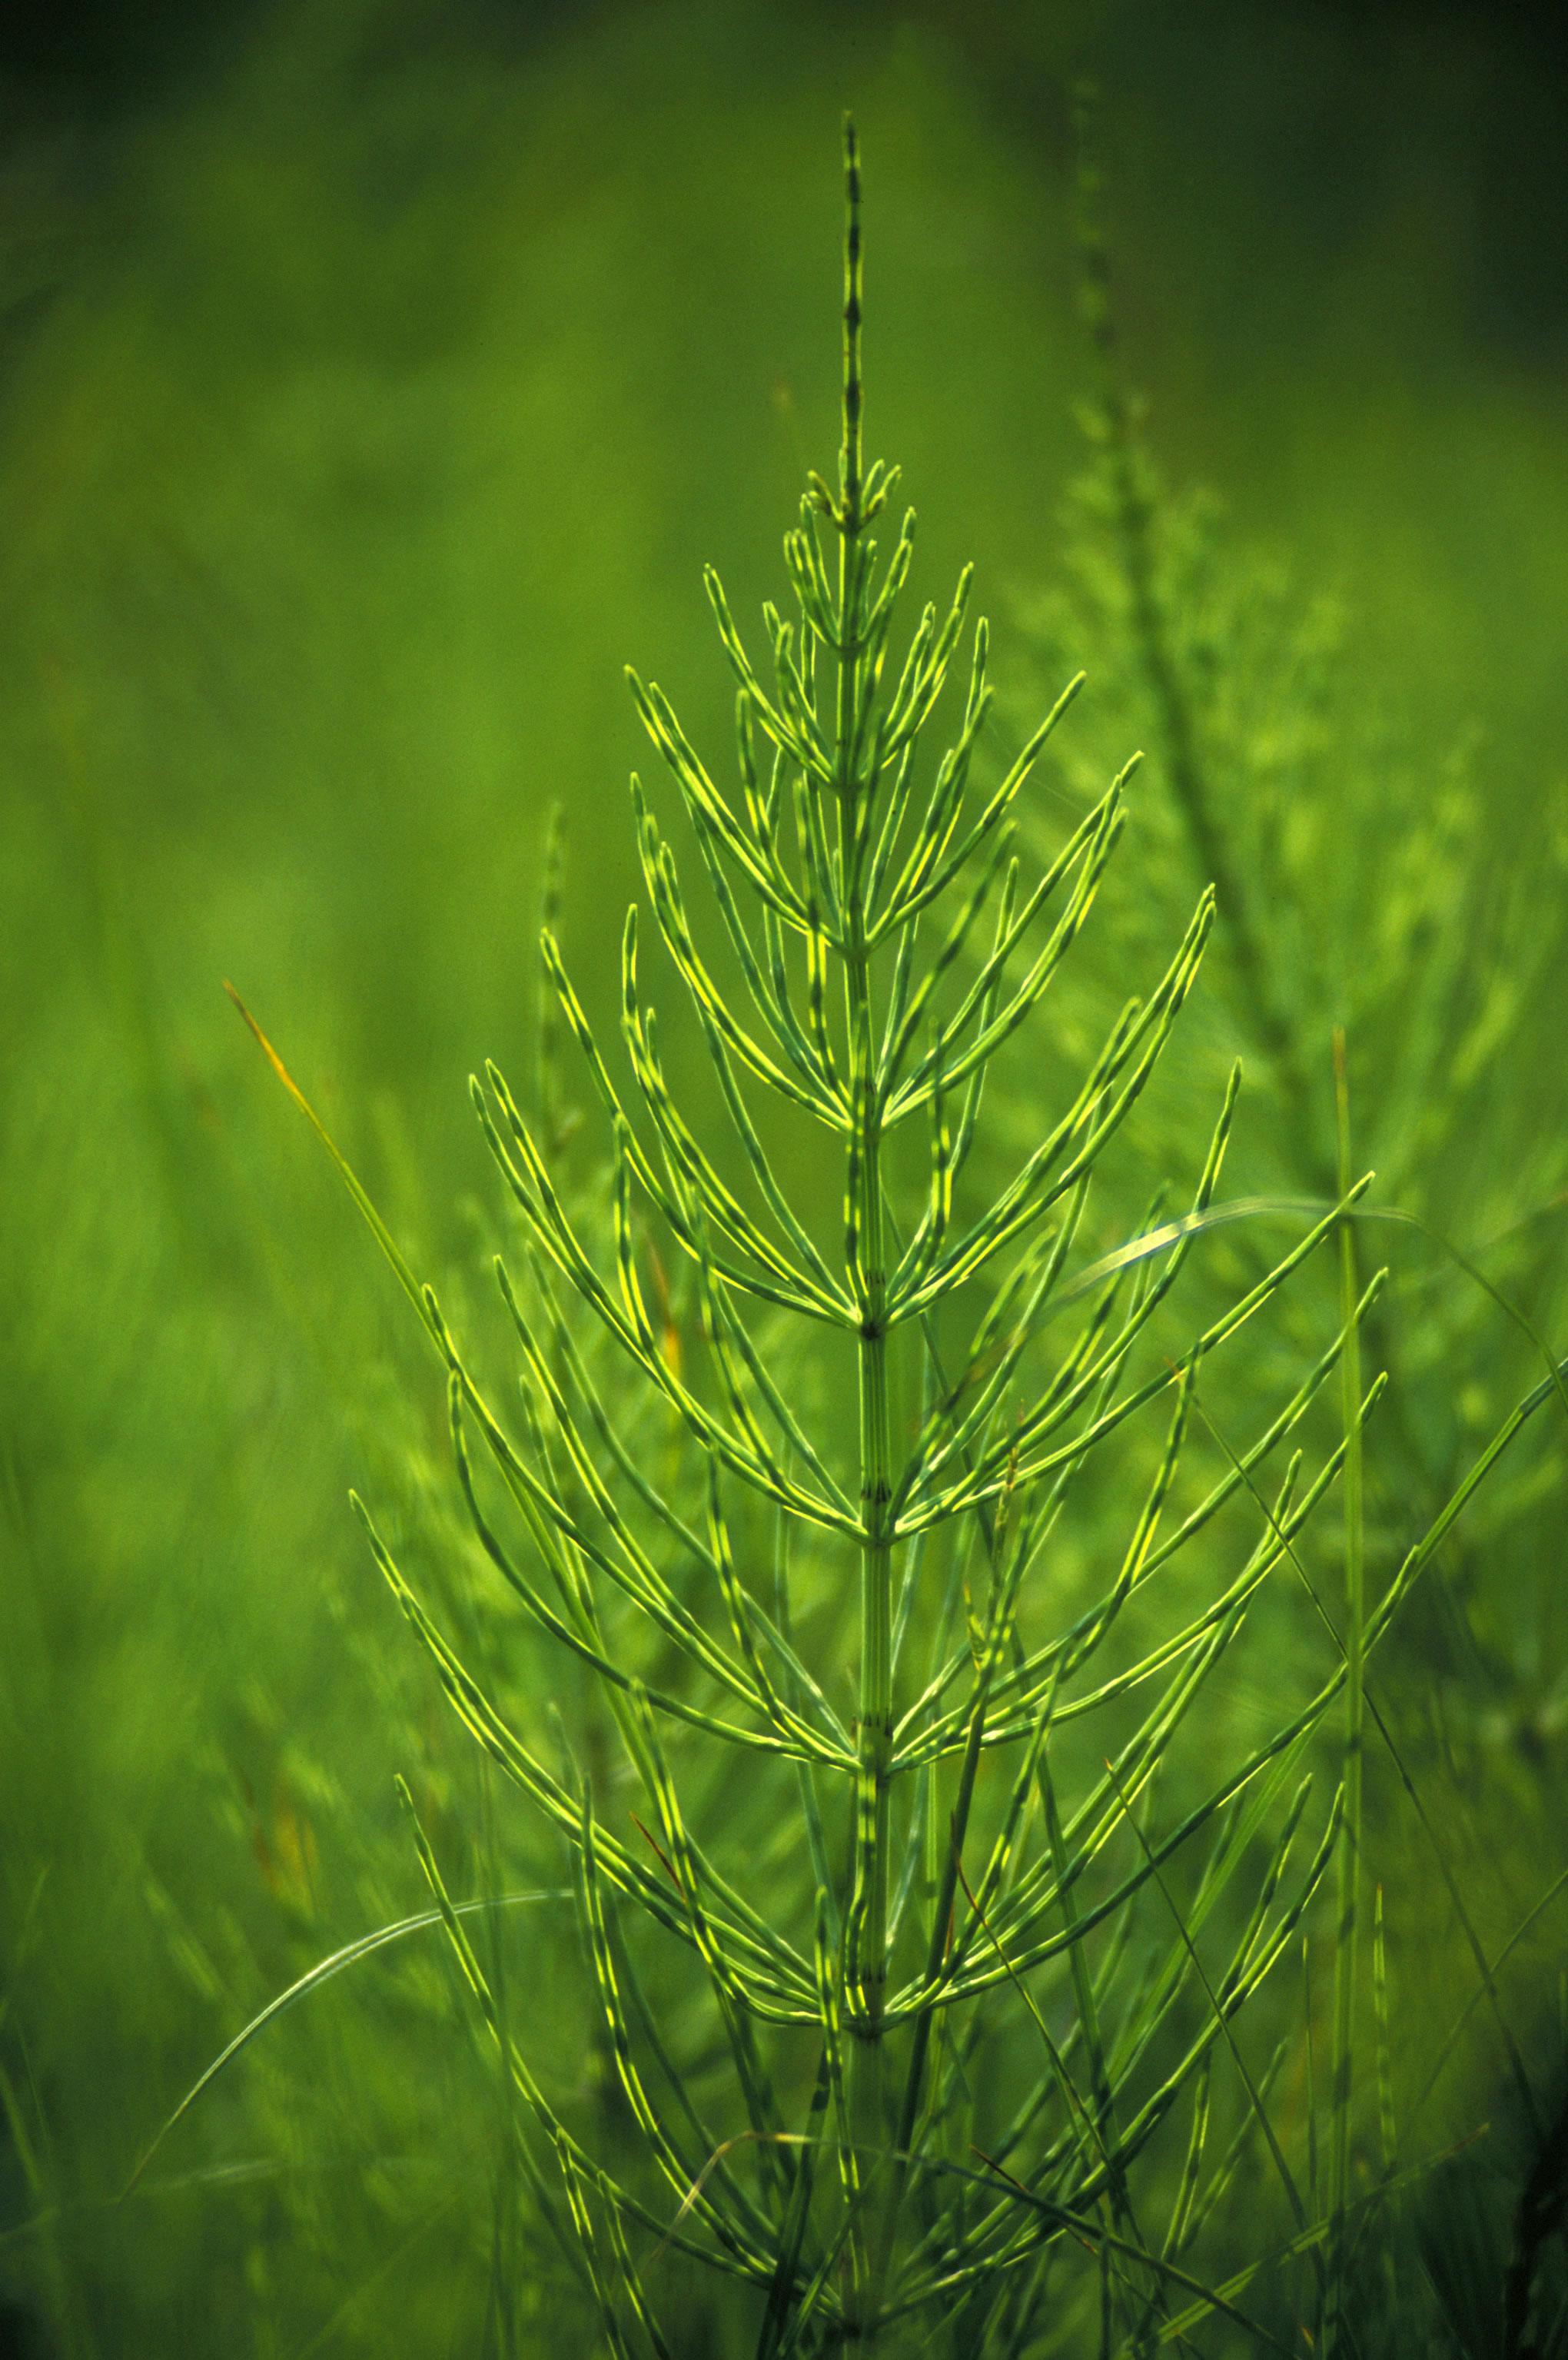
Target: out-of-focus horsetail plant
944 1949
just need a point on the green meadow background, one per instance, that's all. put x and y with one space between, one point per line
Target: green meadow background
375 378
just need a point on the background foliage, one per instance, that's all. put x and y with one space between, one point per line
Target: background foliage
375 381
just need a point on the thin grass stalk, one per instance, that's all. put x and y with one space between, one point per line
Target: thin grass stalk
1349 1865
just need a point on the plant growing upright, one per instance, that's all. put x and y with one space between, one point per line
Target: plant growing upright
946 2051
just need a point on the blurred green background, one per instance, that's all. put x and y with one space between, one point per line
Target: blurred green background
376 376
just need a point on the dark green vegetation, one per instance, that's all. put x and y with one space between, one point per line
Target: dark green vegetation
385 410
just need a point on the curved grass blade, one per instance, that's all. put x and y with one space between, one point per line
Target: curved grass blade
363 1946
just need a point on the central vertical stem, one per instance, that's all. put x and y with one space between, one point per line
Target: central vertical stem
867 1965
875 1720
865 1962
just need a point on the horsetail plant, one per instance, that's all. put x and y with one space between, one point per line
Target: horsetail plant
953 2012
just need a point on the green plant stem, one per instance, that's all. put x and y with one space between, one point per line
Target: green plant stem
1350 1826
866 1962
874 1734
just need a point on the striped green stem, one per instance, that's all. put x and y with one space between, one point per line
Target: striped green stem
865 1964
